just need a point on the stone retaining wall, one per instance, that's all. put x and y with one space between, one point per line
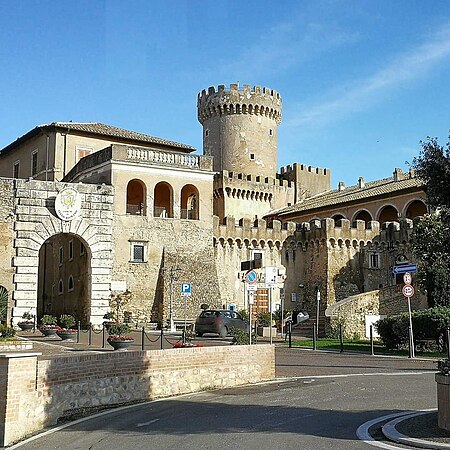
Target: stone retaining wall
35 393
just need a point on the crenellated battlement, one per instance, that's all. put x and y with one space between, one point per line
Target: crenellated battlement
239 178
214 102
322 231
298 168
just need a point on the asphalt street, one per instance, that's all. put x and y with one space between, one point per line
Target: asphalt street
327 398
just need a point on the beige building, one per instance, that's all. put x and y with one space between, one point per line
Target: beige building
152 214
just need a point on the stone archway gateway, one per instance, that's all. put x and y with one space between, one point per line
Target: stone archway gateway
53 212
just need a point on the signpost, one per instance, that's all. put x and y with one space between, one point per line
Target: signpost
186 290
408 292
404 268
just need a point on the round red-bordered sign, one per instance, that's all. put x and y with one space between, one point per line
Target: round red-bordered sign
408 290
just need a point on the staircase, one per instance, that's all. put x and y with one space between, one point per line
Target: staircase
305 329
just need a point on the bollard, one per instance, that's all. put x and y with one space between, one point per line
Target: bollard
314 338
341 338
162 336
142 338
78 332
372 352
103 336
90 334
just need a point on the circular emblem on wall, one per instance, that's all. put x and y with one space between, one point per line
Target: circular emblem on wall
68 204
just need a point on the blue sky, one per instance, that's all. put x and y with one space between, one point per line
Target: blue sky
362 81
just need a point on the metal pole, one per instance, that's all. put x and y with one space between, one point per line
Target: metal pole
185 312
341 338
282 315
270 309
90 334
317 313
411 335
161 337
78 332
448 342
314 339
103 336
250 313
142 338
372 352
172 325
290 333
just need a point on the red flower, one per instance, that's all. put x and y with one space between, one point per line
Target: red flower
117 337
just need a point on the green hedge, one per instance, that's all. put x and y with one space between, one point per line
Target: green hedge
428 324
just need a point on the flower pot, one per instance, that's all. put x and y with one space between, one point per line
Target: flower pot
67 335
48 331
26 326
120 344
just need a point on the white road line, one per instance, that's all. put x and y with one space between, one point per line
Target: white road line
144 424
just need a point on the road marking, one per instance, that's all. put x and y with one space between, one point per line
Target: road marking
144 424
363 430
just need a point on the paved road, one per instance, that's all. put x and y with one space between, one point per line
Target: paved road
322 410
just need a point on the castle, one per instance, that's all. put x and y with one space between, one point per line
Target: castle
88 211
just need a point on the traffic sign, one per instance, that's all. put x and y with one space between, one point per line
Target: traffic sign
404 268
186 289
407 278
250 277
408 290
251 287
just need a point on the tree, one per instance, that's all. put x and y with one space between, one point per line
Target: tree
431 235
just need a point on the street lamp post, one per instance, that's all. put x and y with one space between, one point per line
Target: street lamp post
317 312
173 276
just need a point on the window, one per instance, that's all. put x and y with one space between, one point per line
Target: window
70 250
60 287
257 257
81 249
271 132
61 255
138 252
374 261
293 296
206 132
34 162
83 151
70 284
252 156
16 168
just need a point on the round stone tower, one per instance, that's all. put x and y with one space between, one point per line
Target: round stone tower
240 128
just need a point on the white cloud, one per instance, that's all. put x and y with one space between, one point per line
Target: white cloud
360 94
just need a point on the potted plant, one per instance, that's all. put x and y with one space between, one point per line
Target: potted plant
263 324
66 331
110 319
27 323
118 338
48 326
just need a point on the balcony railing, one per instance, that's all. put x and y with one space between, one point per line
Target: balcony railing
160 212
189 214
135 210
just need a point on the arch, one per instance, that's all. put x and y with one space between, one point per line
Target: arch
415 209
163 204
362 214
338 219
189 202
136 194
387 213
64 287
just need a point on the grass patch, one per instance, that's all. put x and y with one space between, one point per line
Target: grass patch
362 346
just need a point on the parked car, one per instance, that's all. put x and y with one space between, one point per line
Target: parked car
219 321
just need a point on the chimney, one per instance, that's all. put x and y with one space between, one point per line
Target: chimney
341 186
398 174
361 182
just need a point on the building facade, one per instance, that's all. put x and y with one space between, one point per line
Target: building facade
152 215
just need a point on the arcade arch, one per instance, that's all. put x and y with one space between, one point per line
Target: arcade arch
388 213
415 209
189 202
163 206
136 193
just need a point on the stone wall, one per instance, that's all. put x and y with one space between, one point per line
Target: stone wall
35 393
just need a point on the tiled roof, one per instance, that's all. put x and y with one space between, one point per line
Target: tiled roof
99 129
352 194
108 130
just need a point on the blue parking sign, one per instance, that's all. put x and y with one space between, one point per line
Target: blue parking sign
186 289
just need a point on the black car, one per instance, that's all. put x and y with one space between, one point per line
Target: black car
219 321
